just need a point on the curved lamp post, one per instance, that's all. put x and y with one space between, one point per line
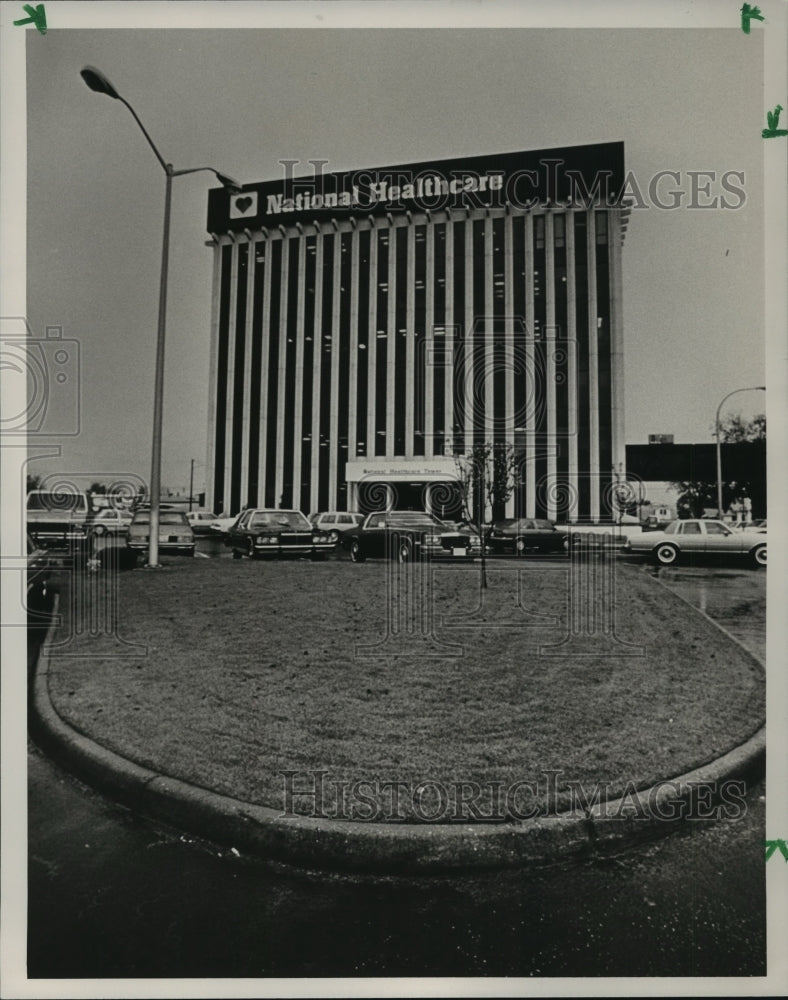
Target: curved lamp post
97 81
749 388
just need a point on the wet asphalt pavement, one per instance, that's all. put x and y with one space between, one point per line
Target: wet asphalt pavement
112 895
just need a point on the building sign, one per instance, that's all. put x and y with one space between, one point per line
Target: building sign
417 470
582 174
660 439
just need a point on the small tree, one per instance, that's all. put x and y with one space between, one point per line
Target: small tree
487 476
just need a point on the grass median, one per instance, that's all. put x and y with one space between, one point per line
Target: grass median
228 674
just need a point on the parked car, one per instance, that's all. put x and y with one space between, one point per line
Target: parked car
58 519
221 525
201 521
336 522
37 580
405 535
175 533
759 526
110 521
525 534
698 536
260 532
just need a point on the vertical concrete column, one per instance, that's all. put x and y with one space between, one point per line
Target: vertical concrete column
298 414
533 386
616 337
469 402
571 365
552 468
266 346
228 375
593 367
247 387
213 374
372 337
317 370
510 416
282 368
410 332
391 339
428 343
489 325
449 402
333 427
352 404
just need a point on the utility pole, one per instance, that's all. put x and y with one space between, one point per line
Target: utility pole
191 485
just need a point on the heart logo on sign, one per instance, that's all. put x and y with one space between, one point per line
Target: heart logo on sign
243 204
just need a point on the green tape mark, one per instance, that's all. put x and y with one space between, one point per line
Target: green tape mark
748 14
772 846
38 17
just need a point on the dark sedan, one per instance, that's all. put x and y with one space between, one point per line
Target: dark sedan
404 535
521 535
259 533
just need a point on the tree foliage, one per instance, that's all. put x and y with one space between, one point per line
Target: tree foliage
734 428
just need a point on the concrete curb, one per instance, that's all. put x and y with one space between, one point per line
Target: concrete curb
382 847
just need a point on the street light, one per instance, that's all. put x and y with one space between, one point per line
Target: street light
750 388
98 82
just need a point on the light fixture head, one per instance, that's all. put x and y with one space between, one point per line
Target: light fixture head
96 80
232 186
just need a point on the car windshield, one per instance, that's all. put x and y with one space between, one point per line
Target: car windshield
60 502
543 525
165 517
279 519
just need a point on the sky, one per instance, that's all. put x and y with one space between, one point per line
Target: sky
681 100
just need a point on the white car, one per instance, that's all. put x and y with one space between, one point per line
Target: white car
698 536
221 525
110 521
336 522
201 521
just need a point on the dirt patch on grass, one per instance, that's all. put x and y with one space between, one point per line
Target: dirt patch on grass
245 670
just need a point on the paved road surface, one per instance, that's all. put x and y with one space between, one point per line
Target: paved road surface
111 895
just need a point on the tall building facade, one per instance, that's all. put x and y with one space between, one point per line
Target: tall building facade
371 327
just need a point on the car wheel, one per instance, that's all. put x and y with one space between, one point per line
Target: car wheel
250 548
404 552
519 546
237 554
666 555
758 555
356 553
